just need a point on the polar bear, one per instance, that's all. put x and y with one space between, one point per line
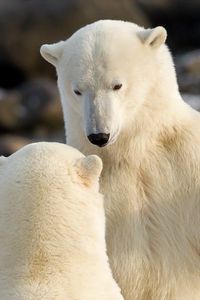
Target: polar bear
52 226
121 101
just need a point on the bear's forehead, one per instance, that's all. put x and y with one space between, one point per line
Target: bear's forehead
107 28
97 49
102 40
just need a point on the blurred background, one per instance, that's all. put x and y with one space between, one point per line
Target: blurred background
29 102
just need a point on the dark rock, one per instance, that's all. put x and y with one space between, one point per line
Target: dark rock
41 101
10 110
189 62
26 25
188 71
11 143
166 5
189 83
42 133
11 75
35 102
181 19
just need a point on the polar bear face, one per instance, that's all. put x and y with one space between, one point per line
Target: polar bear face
105 71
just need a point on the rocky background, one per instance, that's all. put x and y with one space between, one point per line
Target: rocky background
29 102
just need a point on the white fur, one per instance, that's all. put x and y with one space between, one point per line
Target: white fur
151 175
52 227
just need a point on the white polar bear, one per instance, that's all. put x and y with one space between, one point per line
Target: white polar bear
52 226
121 101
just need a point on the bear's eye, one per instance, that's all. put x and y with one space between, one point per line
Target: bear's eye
117 87
77 92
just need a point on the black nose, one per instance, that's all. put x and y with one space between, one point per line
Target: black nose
99 139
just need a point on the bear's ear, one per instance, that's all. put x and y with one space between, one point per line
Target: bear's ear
153 37
89 169
52 52
2 160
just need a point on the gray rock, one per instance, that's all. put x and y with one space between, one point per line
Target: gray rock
189 62
180 17
11 143
192 100
26 25
40 100
188 71
10 110
35 102
166 5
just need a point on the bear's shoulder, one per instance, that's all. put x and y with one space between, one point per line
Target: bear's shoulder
179 145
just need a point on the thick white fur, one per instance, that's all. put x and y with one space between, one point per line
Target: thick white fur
151 175
52 227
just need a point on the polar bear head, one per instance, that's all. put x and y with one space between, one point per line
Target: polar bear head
105 72
82 170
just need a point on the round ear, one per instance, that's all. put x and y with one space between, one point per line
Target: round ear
89 169
153 37
52 52
2 160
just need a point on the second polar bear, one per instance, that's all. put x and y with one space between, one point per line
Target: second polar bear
52 226
121 101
